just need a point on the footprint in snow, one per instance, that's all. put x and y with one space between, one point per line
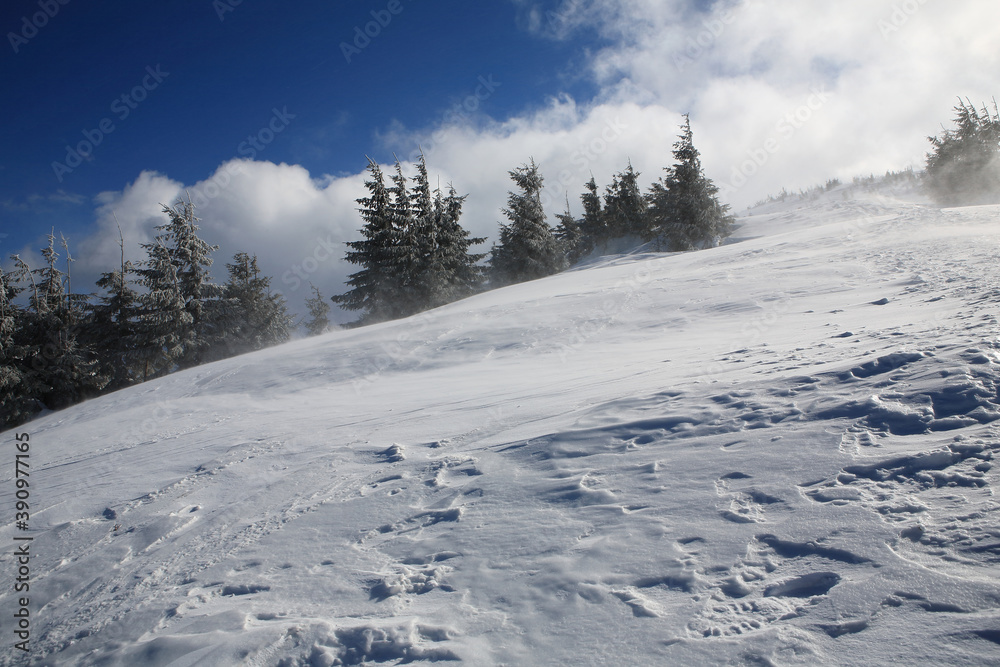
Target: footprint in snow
940 500
745 505
768 586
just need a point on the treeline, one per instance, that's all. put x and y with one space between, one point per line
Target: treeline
165 313
892 181
415 255
58 347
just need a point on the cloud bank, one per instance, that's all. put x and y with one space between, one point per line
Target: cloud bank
781 94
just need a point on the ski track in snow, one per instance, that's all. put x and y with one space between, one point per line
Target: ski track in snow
776 452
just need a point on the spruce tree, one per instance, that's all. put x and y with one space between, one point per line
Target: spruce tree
191 258
375 288
625 213
453 271
964 167
415 254
49 294
255 318
63 371
8 320
441 269
418 224
10 371
164 326
527 249
592 225
18 392
410 249
112 328
319 311
570 235
685 213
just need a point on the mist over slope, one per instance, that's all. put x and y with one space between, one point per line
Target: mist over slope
778 451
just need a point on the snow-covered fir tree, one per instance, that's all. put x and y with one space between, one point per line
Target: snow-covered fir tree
191 257
112 328
62 370
441 269
9 371
964 166
418 235
527 249
411 247
592 225
164 327
569 234
254 317
444 270
49 289
319 313
625 212
685 213
375 288
453 272
18 398
415 254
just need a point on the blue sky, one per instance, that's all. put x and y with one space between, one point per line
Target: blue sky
220 71
254 108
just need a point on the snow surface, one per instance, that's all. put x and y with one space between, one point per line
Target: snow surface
774 452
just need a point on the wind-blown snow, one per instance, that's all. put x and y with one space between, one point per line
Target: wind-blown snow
774 452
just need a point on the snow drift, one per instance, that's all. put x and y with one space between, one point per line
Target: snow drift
779 451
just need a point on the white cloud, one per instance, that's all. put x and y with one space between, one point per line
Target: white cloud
805 90
892 68
295 224
568 142
136 210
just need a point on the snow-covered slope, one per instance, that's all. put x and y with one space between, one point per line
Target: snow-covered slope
774 452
